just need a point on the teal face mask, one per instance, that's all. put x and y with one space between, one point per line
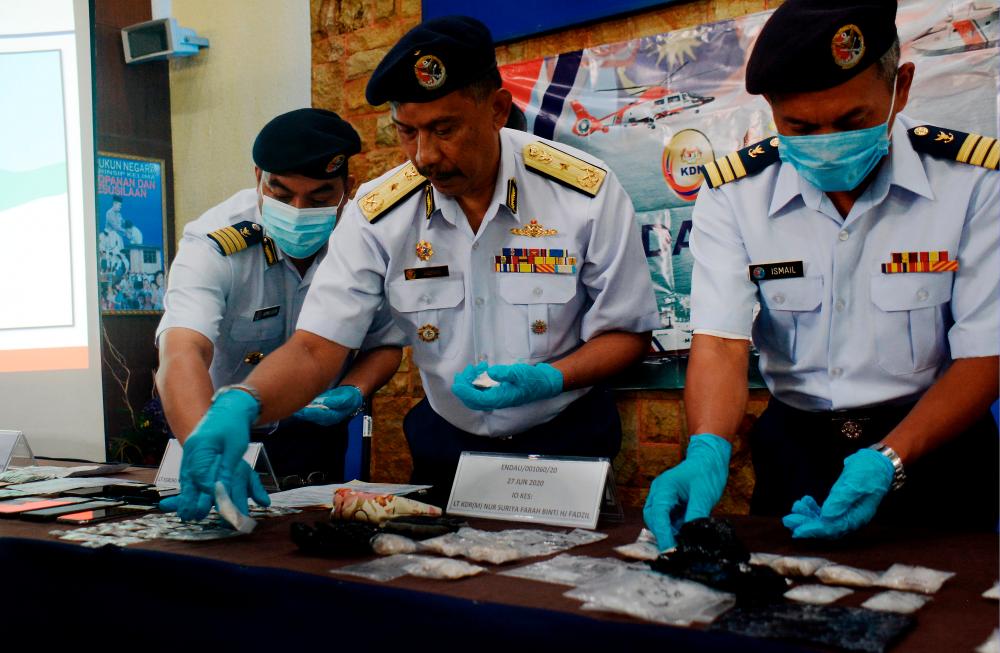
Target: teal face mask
838 161
299 233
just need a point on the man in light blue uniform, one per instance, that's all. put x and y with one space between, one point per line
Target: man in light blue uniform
877 271
238 283
497 252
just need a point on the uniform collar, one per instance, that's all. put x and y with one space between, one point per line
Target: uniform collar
449 209
903 169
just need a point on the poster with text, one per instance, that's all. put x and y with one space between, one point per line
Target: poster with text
131 227
657 107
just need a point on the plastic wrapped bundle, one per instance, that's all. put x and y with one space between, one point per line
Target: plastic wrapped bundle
376 508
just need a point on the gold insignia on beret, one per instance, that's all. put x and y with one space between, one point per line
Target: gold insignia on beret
424 250
564 168
921 131
390 192
335 162
534 230
428 333
253 358
538 327
848 46
430 72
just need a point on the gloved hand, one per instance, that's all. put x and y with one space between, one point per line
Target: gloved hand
333 406
245 483
852 502
519 384
214 451
694 487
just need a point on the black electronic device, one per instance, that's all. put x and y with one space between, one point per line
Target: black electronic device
102 514
48 514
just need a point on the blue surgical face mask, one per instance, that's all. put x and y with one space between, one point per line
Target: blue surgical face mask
839 161
299 233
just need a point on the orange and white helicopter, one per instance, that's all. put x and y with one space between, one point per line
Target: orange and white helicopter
652 102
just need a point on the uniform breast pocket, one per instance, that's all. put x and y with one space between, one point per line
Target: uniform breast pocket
909 320
250 340
536 311
428 310
789 320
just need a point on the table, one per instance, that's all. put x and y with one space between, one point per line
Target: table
259 591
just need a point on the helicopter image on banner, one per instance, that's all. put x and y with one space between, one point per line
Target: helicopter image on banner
650 105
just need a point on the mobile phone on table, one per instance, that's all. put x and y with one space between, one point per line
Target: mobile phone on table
48 514
102 514
13 507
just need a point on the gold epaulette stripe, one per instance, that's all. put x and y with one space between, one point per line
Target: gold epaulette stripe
562 167
973 149
741 163
229 239
390 192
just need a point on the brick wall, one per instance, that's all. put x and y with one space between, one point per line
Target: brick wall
349 38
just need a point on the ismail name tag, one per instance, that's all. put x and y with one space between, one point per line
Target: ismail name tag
782 270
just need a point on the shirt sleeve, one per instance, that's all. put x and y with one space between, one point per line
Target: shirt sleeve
197 289
615 271
383 331
348 287
722 295
975 295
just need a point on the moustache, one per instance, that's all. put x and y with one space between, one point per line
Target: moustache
439 175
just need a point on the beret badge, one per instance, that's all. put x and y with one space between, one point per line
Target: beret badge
430 72
335 163
848 46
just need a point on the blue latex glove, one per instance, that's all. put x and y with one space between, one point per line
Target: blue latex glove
688 491
333 406
853 499
213 452
519 384
246 483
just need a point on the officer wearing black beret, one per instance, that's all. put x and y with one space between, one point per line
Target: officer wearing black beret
238 282
870 241
497 252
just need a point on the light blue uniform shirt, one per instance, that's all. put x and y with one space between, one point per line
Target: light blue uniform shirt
481 314
240 303
847 335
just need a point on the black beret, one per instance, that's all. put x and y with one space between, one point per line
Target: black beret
310 142
433 59
813 45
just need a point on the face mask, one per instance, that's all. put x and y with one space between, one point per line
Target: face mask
300 233
838 161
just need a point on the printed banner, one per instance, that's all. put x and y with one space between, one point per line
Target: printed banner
131 214
656 107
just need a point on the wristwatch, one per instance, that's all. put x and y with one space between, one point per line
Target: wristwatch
898 475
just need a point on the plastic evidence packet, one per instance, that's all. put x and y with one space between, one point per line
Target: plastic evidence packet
504 546
566 569
396 566
894 601
817 594
654 597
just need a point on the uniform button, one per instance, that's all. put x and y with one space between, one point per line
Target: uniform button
537 292
843 235
480 301
779 298
836 372
922 294
475 245
839 305
482 357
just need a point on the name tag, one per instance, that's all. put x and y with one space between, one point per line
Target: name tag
783 270
169 473
425 273
262 313
556 491
10 443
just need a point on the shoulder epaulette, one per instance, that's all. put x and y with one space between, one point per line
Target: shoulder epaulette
237 237
565 168
390 192
955 145
741 163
